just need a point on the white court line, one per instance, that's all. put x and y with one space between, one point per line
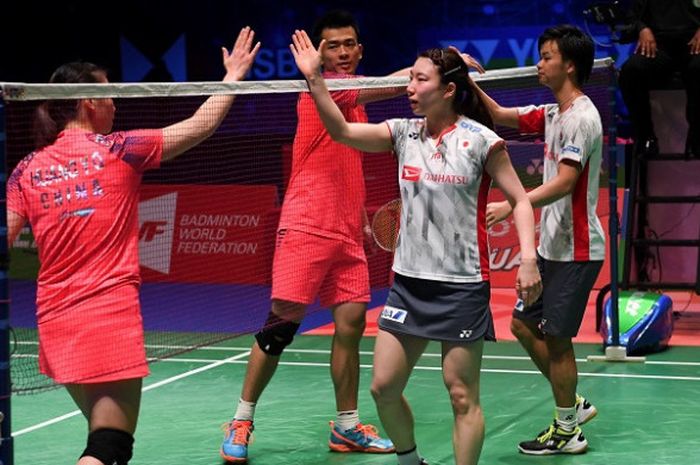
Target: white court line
236 360
666 362
483 370
46 423
145 389
325 351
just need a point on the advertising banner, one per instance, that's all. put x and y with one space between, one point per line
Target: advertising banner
207 233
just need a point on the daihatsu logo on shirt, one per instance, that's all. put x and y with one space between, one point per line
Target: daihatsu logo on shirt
410 173
445 178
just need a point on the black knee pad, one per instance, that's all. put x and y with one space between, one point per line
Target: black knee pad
276 334
110 446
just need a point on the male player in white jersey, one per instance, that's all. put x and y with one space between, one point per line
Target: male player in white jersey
572 242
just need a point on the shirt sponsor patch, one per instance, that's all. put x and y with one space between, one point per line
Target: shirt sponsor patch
445 178
470 127
519 305
572 149
394 314
410 173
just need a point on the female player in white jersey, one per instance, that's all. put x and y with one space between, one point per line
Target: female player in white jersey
441 289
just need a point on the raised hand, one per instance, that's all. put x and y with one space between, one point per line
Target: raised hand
469 60
239 61
307 58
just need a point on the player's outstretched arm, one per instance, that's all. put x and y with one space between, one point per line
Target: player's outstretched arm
559 186
184 135
363 136
505 116
528 283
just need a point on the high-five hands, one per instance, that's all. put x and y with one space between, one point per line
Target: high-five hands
240 59
307 58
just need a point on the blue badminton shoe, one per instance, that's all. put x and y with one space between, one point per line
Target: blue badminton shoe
237 435
361 438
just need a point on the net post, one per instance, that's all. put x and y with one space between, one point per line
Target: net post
614 352
6 446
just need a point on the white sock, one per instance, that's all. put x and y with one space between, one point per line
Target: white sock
245 410
410 457
347 419
566 418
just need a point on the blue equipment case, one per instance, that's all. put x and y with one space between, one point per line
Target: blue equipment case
646 321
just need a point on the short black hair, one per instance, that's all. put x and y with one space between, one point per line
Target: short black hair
574 45
334 19
77 72
52 116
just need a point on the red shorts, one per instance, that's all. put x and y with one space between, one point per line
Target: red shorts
307 265
96 342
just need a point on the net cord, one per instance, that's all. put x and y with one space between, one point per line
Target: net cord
18 91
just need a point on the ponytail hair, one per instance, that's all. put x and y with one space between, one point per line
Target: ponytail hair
453 69
52 116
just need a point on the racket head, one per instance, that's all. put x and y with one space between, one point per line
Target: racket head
385 225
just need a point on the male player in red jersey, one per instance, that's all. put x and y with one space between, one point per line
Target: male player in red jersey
79 192
320 253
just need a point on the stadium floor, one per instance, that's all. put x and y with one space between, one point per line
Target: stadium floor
648 411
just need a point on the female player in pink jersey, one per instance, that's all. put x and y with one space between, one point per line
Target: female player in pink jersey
441 286
79 192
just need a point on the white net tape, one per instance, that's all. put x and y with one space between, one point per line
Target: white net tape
14 91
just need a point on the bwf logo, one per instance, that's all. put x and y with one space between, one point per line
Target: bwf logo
156 230
150 229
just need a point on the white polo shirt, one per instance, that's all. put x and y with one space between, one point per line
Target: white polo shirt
570 229
444 188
